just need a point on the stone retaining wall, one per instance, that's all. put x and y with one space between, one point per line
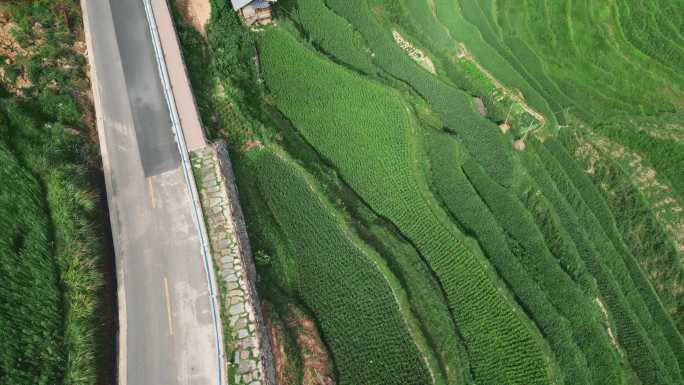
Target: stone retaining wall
251 362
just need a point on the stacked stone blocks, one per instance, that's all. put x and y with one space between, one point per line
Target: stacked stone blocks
251 361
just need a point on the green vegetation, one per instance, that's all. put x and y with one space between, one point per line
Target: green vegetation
666 155
497 255
630 275
518 251
591 36
334 35
641 230
339 281
630 315
376 152
454 107
51 245
29 290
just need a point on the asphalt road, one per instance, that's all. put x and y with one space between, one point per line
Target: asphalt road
166 330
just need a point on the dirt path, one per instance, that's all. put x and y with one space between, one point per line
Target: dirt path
516 96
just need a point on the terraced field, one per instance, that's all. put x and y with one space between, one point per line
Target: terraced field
462 191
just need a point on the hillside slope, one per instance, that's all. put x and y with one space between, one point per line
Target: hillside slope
511 169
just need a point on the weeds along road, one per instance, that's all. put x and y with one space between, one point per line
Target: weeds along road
167 335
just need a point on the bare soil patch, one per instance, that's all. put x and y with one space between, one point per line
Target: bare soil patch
251 144
315 359
519 145
196 13
277 334
9 52
414 53
606 323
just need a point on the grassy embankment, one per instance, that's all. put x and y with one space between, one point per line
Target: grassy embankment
51 234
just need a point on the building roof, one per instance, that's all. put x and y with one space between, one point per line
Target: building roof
239 4
261 4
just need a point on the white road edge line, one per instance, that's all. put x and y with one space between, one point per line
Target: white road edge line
190 184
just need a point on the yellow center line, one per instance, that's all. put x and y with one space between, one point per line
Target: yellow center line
150 191
168 305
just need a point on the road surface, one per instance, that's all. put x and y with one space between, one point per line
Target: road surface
167 335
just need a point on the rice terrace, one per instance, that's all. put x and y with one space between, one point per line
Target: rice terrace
342 192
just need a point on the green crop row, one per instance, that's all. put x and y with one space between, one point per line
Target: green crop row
529 246
554 22
364 131
530 275
338 280
422 24
448 13
607 18
420 20
464 204
662 68
653 315
417 19
625 306
582 46
557 238
426 299
565 314
334 35
666 156
518 54
652 36
454 107
643 234
549 34
665 11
